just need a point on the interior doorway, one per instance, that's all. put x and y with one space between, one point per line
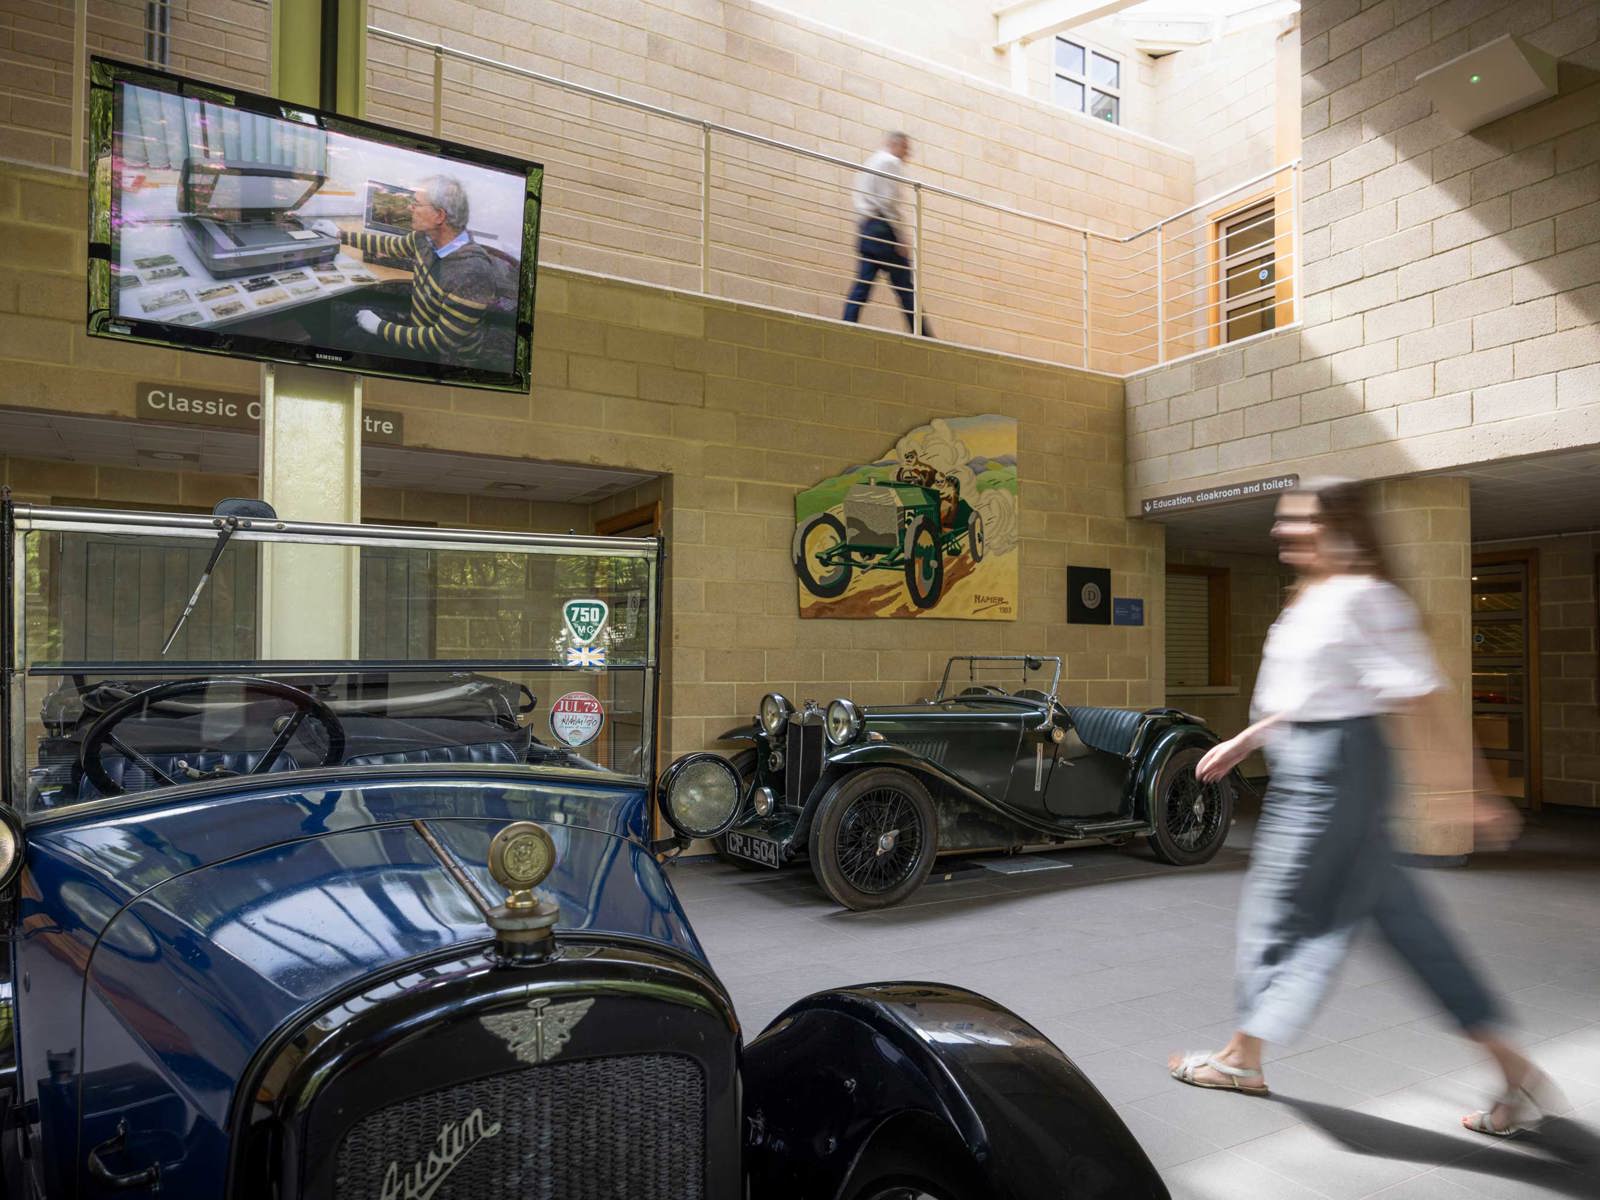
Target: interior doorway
1505 670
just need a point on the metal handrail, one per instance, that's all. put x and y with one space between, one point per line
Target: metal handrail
1135 286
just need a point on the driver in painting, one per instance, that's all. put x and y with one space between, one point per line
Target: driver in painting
454 279
914 470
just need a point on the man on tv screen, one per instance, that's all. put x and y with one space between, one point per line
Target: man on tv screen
454 279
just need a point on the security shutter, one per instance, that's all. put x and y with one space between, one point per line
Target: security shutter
1188 630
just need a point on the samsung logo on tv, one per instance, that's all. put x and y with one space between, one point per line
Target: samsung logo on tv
333 358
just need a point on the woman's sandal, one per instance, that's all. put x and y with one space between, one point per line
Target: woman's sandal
1185 1071
1527 1105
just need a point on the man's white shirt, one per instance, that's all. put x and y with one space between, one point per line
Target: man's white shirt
878 195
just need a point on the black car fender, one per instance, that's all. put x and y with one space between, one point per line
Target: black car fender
888 754
1153 756
847 1085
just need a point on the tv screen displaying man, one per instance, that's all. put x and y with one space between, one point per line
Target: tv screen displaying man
454 280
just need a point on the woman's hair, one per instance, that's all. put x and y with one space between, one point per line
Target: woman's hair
1350 535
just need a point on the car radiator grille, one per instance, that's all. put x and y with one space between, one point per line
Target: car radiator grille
802 762
629 1128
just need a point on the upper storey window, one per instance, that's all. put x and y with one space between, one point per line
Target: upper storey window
1087 81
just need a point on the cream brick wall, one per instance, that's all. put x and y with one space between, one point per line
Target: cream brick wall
1425 524
1453 281
740 408
624 189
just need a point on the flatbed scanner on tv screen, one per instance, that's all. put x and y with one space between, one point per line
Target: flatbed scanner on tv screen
240 217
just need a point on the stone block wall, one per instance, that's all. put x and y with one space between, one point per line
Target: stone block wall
624 188
739 408
1452 280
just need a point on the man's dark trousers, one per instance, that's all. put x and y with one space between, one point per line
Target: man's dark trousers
879 250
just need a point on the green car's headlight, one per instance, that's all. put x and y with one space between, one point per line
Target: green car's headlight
844 722
700 795
775 713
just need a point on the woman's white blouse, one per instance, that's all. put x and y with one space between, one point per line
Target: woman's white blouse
1349 646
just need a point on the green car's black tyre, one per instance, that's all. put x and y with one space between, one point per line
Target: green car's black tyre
1191 818
821 532
743 762
924 562
873 838
975 542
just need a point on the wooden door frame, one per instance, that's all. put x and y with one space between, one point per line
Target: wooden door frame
1533 709
646 515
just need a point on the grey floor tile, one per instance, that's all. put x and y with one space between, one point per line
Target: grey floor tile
1432 1186
1338 1170
1123 1077
1499 1175
1356 1070
1228 1176
1417 1048
1225 1119
1165 1144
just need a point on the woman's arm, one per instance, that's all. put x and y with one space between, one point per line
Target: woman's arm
1225 756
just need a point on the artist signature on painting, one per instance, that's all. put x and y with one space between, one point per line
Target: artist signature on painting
456 1140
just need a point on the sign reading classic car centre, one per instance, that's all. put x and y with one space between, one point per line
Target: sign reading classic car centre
178 405
1220 495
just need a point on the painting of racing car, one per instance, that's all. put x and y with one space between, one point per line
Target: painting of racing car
928 529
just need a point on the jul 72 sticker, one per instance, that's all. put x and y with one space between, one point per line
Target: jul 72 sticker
585 619
577 718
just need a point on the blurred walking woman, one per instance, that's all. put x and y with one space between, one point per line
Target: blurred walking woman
1347 650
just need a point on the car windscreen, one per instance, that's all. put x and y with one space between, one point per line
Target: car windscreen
317 646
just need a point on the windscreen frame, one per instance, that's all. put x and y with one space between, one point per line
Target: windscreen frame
20 521
106 75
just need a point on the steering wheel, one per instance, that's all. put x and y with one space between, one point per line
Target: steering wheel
982 689
102 732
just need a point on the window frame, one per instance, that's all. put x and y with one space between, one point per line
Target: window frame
1086 79
1220 305
1219 670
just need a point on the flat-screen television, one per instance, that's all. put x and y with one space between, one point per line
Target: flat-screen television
235 224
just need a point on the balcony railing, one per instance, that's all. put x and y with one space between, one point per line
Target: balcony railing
637 191
640 192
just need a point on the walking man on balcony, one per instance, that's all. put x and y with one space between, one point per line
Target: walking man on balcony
877 201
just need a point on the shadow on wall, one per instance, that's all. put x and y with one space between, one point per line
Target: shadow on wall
1463 249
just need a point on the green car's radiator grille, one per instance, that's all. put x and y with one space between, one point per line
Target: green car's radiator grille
604 1127
802 761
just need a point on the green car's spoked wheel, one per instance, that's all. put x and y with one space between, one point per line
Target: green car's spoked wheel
873 838
1193 813
1190 818
879 839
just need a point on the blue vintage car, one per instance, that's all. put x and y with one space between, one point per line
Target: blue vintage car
328 871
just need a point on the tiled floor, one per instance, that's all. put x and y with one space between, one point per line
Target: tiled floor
1122 961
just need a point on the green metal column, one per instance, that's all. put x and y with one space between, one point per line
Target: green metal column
319 53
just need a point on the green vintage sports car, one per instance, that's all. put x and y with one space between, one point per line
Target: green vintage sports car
871 795
888 527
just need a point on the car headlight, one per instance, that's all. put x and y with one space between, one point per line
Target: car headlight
10 847
700 795
775 713
844 722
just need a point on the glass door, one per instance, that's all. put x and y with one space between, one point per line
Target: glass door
1505 674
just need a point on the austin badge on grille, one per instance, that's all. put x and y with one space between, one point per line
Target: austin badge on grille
539 1032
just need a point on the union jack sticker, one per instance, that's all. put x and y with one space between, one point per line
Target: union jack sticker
586 656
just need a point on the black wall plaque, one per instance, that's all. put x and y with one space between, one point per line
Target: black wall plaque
1088 595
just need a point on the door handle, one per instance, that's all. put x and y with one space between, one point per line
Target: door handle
149 1177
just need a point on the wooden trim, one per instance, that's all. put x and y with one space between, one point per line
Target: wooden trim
1533 708
1218 618
646 515
1215 256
